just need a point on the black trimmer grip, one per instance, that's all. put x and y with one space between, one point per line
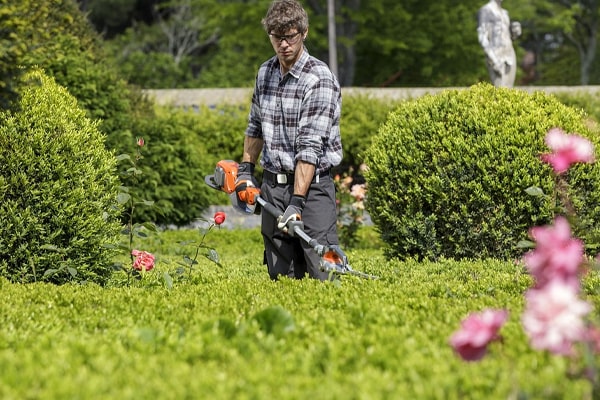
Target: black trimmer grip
270 208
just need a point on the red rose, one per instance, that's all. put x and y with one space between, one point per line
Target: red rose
143 260
219 217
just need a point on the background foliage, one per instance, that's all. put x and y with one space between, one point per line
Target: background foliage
379 42
448 173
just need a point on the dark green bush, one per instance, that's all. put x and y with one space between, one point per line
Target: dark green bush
448 173
58 189
175 161
219 134
12 48
360 121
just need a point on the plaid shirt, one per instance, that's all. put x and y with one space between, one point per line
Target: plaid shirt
297 115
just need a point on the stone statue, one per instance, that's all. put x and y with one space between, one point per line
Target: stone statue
496 33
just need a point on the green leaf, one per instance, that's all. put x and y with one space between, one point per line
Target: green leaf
226 328
123 198
534 191
275 320
52 247
122 157
168 280
150 226
48 272
213 256
525 244
189 261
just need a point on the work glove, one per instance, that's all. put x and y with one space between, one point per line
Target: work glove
244 189
293 212
244 174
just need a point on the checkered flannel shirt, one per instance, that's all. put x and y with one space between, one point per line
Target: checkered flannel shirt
297 115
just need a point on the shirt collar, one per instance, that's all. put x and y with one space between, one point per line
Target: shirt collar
299 64
297 67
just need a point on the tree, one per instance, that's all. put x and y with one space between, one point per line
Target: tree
210 43
552 25
12 48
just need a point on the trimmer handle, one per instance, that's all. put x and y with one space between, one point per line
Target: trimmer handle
268 207
295 228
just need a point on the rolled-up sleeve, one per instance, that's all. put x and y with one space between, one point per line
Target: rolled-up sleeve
317 118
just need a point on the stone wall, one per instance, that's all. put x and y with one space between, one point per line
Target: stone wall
197 97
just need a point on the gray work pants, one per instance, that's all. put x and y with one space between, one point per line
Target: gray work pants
291 256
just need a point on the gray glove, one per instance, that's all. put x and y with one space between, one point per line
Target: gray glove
293 212
245 173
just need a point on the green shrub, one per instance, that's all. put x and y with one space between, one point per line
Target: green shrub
173 168
588 102
448 173
219 135
353 339
58 188
360 121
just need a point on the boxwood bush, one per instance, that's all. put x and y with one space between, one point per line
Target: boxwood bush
449 172
361 118
58 187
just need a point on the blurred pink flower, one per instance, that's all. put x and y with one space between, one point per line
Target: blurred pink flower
358 191
346 181
476 332
143 260
553 317
566 150
557 255
140 142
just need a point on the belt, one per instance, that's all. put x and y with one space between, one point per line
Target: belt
287 178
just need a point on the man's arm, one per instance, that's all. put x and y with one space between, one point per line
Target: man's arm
252 148
303 177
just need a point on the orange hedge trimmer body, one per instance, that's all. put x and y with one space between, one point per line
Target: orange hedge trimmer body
333 259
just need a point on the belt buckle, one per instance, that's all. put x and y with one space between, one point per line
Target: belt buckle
282 179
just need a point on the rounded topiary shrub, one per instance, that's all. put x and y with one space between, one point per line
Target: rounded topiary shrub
448 173
58 190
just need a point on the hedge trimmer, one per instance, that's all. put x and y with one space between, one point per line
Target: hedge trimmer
333 259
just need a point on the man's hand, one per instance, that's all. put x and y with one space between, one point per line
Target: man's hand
245 174
293 212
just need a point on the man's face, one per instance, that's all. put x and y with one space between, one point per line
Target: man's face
288 46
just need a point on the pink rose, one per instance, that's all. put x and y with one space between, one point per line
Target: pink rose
567 150
143 260
358 191
553 317
219 217
140 142
476 332
556 256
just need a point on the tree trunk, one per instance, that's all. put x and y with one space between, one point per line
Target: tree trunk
347 28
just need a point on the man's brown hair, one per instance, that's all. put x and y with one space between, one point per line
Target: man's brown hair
284 15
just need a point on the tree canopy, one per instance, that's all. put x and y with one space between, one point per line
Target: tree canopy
212 43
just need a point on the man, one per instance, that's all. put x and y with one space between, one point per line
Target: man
294 122
496 33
